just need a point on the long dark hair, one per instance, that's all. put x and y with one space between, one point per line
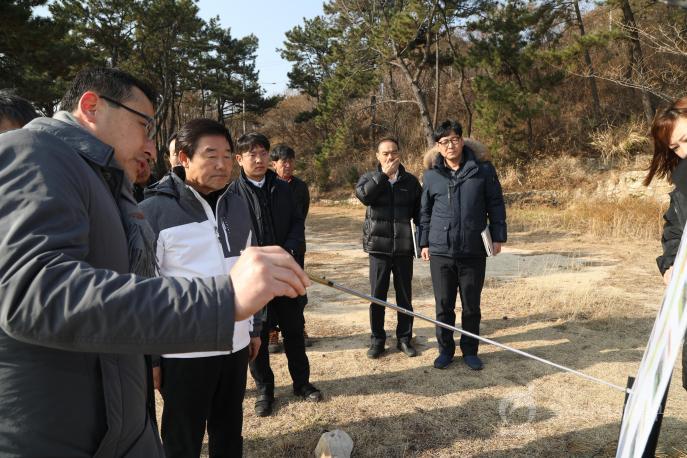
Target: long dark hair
665 159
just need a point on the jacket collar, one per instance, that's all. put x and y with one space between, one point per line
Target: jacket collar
172 185
65 126
468 165
679 176
270 176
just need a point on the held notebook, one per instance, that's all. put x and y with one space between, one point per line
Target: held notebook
486 238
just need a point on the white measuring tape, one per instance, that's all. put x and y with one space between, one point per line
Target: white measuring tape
331 284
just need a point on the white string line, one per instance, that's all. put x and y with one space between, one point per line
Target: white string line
331 284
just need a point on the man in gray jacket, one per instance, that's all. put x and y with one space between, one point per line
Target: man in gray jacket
77 310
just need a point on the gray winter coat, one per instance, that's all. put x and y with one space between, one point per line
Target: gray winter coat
74 323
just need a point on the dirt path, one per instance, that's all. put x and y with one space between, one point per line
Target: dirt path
584 303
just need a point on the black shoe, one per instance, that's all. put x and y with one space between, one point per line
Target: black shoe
407 348
375 351
443 360
264 405
308 393
473 362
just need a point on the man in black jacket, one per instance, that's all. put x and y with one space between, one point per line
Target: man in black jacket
392 197
283 162
460 194
275 222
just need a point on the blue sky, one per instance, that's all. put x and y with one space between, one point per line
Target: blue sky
268 20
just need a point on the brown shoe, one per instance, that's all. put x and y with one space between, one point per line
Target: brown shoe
306 339
274 346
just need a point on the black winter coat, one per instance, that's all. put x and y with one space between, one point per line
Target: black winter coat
287 222
455 209
675 218
389 210
301 196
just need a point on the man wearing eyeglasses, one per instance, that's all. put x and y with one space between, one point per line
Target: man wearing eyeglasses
276 221
461 196
81 304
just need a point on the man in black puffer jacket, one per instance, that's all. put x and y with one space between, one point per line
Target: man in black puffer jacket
392 197
460 194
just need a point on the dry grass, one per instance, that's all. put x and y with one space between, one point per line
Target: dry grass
628 218
536 300
559 173
617 145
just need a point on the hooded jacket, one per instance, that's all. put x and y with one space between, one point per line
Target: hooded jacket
457 207
193 240
74 323
390 208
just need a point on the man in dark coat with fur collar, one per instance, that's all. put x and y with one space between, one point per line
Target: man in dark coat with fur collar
461 197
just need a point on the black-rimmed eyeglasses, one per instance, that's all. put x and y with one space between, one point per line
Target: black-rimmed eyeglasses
150 127
455 141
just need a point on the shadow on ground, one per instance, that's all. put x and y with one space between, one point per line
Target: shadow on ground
424 429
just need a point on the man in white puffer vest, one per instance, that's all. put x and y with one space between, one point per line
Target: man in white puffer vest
201 228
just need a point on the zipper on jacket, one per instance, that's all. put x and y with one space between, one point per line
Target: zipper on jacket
213 220
217 222
393 219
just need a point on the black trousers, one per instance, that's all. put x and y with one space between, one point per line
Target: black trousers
197 391
381 267
449 276
287 313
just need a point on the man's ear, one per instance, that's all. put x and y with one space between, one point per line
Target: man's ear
184 159
87 107
239 159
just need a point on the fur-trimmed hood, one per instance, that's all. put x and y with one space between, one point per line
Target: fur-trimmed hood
480 149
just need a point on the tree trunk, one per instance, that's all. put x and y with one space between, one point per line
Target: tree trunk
637 57
436 83
596 104
373 120
466 104
427 125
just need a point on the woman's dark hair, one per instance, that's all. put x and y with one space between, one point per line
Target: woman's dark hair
190 134
110 82
665 160
282 151
445 128
16 109
247 142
